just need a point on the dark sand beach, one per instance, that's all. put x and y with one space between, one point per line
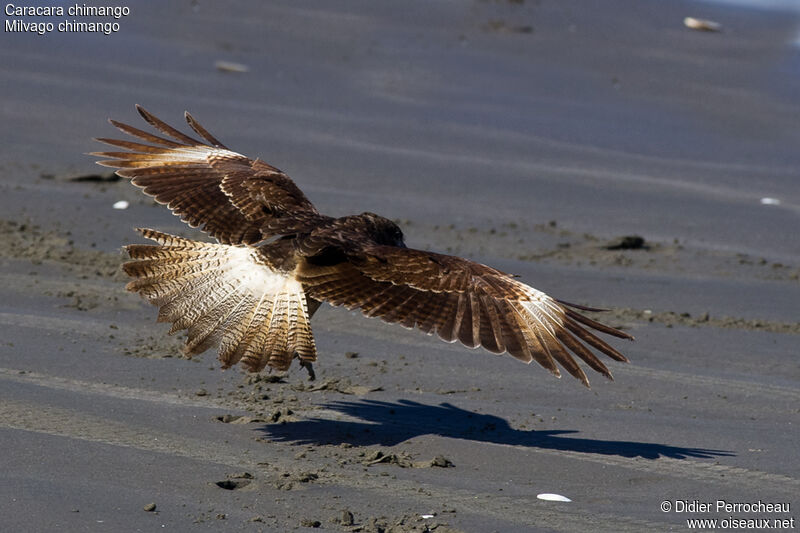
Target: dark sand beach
527 135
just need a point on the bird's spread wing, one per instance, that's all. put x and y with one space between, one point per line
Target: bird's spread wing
458 300
235 199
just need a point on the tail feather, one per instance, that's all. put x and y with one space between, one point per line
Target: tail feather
206 332
254 341
278 334
232 346
223 296
288 330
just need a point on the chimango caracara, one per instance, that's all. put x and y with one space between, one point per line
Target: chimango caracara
277 258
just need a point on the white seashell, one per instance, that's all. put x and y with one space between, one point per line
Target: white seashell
122 204
702 24
770 201
547 496
426 516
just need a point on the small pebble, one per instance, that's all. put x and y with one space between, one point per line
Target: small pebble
122 204
150 507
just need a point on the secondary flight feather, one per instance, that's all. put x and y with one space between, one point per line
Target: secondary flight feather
252 293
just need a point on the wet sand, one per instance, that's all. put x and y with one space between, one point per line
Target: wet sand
530 136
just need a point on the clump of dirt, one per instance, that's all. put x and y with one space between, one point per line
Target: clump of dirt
238 419
404 460
283 415
294 479
628 242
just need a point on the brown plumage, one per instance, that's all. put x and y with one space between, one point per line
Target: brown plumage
253 293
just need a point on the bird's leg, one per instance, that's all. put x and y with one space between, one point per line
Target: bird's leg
310 367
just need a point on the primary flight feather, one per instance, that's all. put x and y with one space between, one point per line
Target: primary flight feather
253 293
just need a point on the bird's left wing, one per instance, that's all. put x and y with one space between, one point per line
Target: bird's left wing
235 199
458 300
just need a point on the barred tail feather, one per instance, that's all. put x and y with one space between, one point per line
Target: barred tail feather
223 296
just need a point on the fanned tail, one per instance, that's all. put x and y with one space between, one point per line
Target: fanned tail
224 296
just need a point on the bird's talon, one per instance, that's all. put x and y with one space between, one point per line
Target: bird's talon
310 367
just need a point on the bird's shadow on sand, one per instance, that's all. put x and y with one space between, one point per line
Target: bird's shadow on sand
388 424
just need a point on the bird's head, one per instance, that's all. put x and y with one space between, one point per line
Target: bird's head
382 230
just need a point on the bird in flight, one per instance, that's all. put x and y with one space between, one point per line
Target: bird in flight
252 293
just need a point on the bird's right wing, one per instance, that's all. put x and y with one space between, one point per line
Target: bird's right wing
458 300
235 199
